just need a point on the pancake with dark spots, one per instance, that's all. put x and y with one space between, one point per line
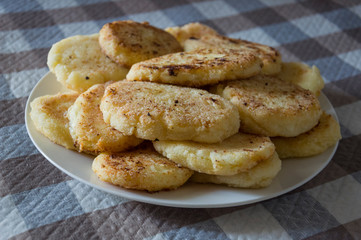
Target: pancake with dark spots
197 68
141 169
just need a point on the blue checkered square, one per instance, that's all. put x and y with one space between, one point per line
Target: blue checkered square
156 18
92 199
333 68
344 18
245 5
345 205
357 176
49 204
350 118
13 6
86 2
255 35
300 215
315 25
14 142
277 2
42 37
345 132
356 10
353 58
21 88
251 222
215 9
184 14
285 32
12 223
81 28
13 41
202 230
46 4
5 92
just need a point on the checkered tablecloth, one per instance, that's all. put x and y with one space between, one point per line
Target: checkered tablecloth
38 201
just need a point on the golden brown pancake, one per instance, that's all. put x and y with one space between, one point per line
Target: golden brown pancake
257 177
324 135
49 116
303 75
88 129
129 42
140 169
78 63
197 68
233 155
269 106
157 111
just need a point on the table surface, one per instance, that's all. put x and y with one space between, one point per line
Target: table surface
38 201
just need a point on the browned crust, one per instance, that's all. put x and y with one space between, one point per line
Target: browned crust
128 42
197 68
141 169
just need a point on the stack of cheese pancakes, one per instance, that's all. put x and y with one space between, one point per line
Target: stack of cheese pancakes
157 108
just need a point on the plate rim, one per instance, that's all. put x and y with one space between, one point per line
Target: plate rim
136 196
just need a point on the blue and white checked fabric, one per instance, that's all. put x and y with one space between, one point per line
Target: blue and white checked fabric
37 201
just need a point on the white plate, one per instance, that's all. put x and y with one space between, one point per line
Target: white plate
294 173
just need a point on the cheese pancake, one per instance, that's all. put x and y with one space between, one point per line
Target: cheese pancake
303 75
233 155
271 58
49 116
164 112
257 177
271 107
78 63
88 129
141 169
194 36
129 42
324 135
190 30
197 68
